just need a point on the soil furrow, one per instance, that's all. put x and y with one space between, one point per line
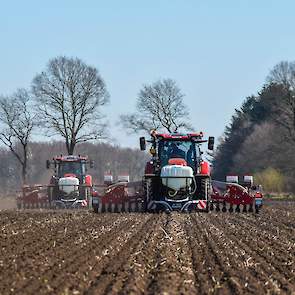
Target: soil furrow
114 267
174 262
78 252
271 260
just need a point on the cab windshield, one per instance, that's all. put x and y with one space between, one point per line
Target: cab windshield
70 168
186 150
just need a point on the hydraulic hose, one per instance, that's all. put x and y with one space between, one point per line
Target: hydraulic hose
173 193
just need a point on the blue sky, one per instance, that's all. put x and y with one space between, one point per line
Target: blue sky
219 52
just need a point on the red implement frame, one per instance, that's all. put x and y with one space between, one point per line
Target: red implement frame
121 197
36 196
33 197
232 193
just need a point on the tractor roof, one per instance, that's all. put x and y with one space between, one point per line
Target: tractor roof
178 136
71 158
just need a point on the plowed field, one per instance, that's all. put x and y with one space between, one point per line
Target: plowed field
59 252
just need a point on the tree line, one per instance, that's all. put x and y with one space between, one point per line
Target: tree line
66 101
260 138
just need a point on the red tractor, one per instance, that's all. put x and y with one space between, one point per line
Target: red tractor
69 187
177 178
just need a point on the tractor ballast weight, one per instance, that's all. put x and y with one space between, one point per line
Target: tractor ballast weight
70 186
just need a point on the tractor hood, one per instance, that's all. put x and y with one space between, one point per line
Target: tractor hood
68 184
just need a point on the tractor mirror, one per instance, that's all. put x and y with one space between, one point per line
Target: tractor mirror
211 143
142 143
91 164
47 164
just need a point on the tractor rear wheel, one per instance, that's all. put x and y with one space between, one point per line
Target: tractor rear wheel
147 189
205 191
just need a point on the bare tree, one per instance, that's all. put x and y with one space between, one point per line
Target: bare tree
159 106
283 75
69 95
17 122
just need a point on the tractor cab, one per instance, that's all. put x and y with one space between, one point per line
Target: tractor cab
187 152
73 167
70 166
173 149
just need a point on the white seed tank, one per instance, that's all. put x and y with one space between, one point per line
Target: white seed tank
248 179
178 171
68 184
108 179
232 178
123 178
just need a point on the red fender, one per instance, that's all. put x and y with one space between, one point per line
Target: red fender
88 180
205 168
149 168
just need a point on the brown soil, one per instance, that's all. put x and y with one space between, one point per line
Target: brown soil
7 203
74 252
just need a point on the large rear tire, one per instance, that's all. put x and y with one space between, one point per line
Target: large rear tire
147 189
205 192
